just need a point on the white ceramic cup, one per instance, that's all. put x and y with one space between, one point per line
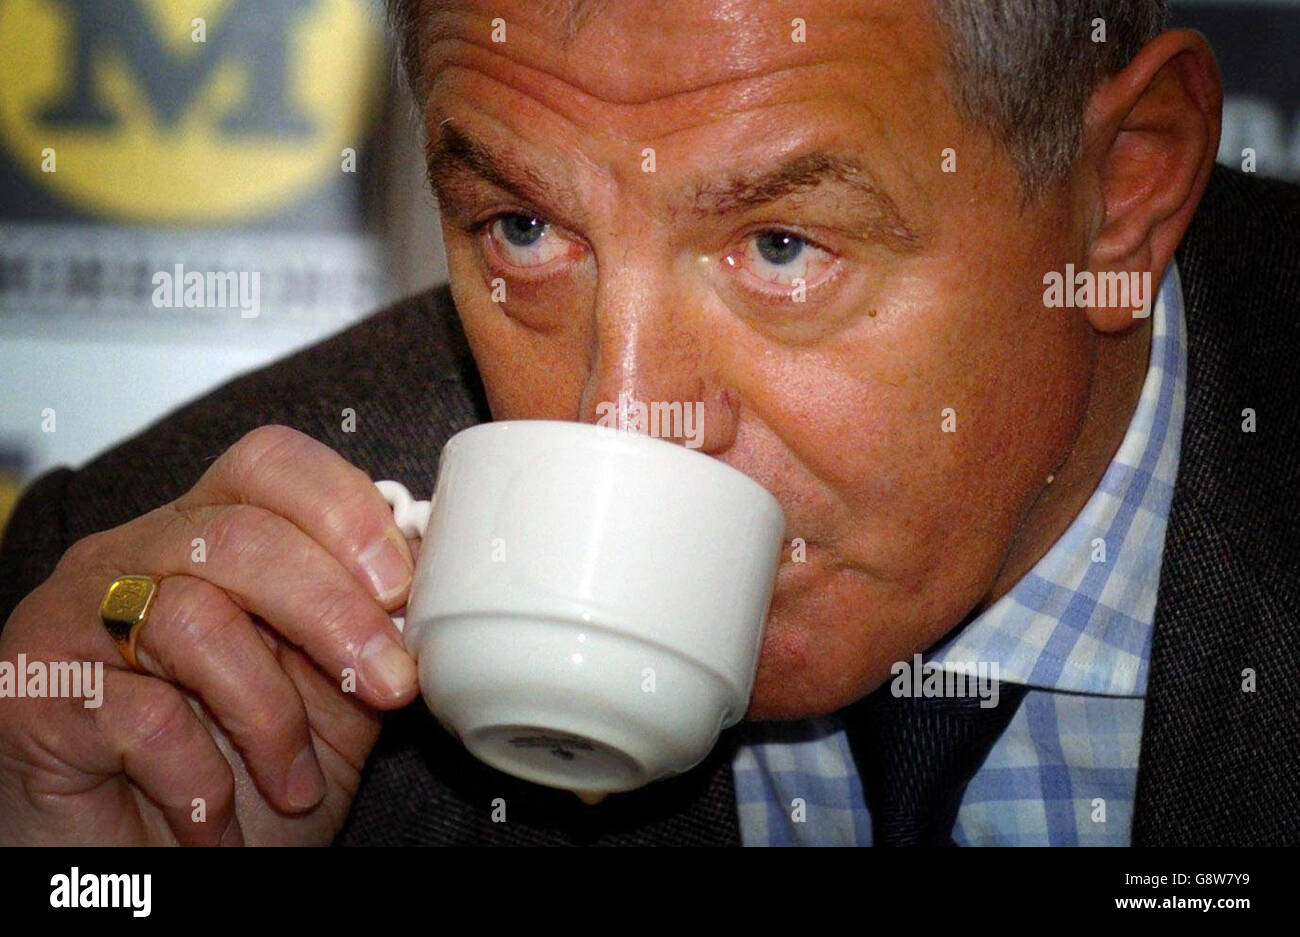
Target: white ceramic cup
588 604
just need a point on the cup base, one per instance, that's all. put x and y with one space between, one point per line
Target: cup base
571 705
544 755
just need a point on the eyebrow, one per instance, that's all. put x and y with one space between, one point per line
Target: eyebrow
456 152
804 173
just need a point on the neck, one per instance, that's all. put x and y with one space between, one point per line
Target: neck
1118 375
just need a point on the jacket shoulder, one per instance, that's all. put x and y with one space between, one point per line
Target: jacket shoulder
1240 267
1215 759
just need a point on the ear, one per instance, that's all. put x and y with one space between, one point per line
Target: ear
1150 135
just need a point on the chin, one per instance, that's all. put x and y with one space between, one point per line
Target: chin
817 655
793 680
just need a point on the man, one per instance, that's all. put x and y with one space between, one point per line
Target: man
880 243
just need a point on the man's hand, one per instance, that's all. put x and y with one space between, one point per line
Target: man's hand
245 715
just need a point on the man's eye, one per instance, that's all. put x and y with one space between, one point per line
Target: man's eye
777 258
779 248
525 240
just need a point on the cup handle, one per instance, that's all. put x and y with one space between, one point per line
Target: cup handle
411 516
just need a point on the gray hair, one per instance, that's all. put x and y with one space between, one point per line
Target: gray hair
1023 69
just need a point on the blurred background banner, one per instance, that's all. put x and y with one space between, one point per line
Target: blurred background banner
189 190
1257 43
192 188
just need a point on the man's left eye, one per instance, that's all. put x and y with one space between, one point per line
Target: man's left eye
525 240
777 258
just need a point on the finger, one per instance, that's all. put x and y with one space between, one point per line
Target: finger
328 498
273 570
146 730
199 638
340 720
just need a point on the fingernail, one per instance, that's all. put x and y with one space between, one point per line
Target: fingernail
385 565
386 666
305 785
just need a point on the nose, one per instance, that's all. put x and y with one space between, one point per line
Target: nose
655 367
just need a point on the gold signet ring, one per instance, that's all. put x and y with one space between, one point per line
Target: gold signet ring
124 611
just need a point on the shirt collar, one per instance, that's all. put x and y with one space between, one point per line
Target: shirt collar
1081 619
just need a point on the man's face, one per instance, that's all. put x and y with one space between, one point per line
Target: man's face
922 309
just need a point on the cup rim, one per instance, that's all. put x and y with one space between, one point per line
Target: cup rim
628 441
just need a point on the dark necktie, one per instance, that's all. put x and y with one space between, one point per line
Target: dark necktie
915 757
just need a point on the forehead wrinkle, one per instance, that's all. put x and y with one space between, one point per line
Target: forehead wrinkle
800 174
577 82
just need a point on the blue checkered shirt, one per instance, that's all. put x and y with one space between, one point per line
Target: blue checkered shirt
1076 630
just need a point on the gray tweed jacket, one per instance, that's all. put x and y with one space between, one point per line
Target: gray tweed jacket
1217 765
